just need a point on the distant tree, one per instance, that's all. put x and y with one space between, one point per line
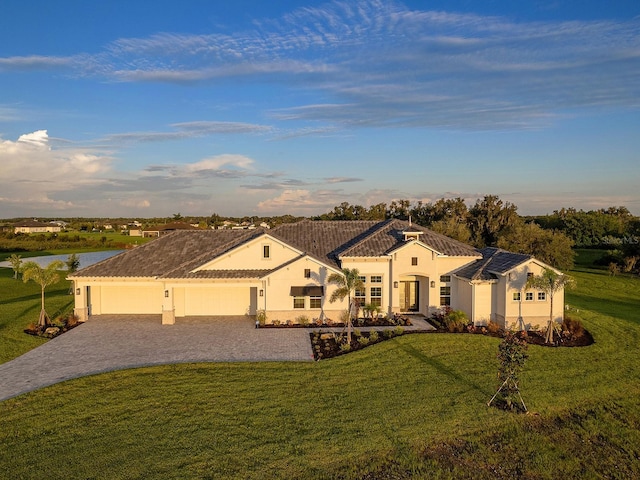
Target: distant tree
399 209
453 228
553 248
177 217
73 263
348 282
550 282
43 277
16 263
489 217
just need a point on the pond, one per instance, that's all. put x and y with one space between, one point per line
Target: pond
86 259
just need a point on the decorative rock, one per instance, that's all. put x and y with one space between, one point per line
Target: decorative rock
52 331
326 336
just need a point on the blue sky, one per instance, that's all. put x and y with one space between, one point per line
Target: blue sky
143 109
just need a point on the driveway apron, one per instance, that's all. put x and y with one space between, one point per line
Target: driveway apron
109 343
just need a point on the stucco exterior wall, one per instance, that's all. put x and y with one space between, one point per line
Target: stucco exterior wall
251 256
278 302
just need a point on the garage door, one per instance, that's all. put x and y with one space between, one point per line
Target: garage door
218 300
136 300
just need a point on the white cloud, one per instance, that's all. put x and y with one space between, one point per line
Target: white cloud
215 163
32 171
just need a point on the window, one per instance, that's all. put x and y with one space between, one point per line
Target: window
445 296
528 296
516 296
298 302
307 273
376 279
529 274
315 302
376 296
360 296
542 296
414 260
266 251
445 278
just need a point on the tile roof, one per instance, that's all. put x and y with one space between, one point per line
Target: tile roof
494 262
173 255
178 254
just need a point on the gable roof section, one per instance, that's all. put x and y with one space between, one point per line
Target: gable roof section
390 236
494 262
171 256
325 240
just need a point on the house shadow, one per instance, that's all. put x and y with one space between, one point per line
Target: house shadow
444 369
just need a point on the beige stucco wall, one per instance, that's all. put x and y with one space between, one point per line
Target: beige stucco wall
535 313
250 256
278 302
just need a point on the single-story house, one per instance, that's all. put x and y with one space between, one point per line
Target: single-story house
284 272
159 230
34 226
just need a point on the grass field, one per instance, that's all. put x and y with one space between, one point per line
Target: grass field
411 407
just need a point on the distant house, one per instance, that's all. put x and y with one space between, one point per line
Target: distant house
284 272
34 226
159 230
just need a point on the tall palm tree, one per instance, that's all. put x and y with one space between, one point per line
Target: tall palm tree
43 277
16 263
348 282
550 282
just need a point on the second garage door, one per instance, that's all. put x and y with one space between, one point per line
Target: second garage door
219 301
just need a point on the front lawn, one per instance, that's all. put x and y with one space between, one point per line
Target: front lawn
410 407
20 305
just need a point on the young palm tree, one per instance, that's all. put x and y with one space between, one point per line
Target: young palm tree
348 282
43 277
550 282
16 263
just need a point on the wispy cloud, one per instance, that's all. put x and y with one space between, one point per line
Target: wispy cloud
381 64
189 130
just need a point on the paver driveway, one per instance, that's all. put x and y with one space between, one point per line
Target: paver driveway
108 343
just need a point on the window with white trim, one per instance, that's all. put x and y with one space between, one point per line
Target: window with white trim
516 296
376 296
307 273
376 279
266 251
298 302
315 302
445 278
445 296
360 296
528 296
542 296
414 261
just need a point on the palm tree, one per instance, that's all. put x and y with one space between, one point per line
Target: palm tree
348 282
550 282
16 262
43 277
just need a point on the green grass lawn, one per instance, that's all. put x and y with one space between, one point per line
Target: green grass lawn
20 305
411 407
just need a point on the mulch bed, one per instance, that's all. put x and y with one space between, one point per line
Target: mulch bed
401 320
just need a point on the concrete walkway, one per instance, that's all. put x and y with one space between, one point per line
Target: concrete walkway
108 343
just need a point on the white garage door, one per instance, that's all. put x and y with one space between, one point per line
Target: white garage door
130 299
217 300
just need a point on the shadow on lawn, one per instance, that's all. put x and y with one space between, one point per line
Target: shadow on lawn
442 368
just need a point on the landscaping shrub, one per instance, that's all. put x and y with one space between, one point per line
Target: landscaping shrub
303 320
455 321
373 336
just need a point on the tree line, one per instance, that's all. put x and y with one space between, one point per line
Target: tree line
491 222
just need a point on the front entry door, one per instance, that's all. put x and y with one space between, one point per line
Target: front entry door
409 296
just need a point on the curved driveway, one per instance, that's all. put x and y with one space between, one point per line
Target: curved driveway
108 343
